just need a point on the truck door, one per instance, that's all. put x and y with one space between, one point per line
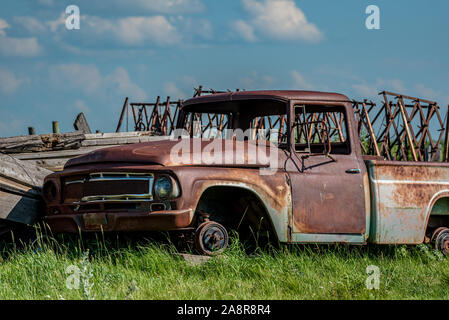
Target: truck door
327 185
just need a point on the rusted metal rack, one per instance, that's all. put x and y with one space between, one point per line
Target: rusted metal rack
158 118
404 128
200 91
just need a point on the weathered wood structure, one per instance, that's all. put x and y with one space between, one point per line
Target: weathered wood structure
81 124
20 192
52 151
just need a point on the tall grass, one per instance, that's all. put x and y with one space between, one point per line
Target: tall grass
145 269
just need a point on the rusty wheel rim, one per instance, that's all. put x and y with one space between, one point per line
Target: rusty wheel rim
436 234
440 237
443 242
211 238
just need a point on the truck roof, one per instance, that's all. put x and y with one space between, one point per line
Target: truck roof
268 94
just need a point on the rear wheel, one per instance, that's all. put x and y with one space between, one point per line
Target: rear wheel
440 239
211 238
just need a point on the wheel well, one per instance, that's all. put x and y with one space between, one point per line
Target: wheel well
237 209
439 215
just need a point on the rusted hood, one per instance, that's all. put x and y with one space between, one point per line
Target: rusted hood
218 152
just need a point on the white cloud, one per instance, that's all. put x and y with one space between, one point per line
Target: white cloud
84 77
133 30
442 98
169 6
120 81
3 25
141 6
90 81
255 81
395 84
426 93
193 27
81 106
137 30
172 90
30 24
9 83
278 19
371 90
24 47
54 24
299 82
181 88
365 90
245 30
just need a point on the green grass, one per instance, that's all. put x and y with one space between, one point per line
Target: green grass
149 270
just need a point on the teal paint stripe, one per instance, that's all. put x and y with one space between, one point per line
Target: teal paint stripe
328 238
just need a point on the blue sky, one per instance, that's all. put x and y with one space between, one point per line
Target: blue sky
145 48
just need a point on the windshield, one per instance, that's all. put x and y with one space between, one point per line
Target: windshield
240 120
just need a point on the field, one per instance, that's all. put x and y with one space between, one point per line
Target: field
144 269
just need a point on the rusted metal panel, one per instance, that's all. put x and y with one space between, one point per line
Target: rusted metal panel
403 195
272 190
328 192
119 221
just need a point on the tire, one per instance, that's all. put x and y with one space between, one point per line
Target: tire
441 240
211 238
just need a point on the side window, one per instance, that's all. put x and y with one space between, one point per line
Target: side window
317 127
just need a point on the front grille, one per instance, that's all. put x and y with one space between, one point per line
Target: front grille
108 187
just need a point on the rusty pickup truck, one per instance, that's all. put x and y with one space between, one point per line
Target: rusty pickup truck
301 179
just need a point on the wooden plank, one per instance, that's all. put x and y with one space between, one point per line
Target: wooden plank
20 191
55 160
194 259
81 124
19 208
21 172
107 135
71 140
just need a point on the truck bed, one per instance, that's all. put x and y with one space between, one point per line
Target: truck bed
403 196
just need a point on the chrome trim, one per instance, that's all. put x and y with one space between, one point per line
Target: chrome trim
114 176
74 181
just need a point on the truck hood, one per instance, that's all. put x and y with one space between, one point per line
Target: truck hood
215 152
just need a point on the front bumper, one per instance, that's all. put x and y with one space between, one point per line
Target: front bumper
120 221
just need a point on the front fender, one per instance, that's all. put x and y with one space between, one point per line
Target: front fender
272 191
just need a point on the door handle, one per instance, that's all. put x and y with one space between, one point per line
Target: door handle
353 171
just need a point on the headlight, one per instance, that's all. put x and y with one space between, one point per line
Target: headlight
163 187
50 191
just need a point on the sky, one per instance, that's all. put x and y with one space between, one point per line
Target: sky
144 48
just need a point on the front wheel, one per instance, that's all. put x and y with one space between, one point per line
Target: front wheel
211 238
